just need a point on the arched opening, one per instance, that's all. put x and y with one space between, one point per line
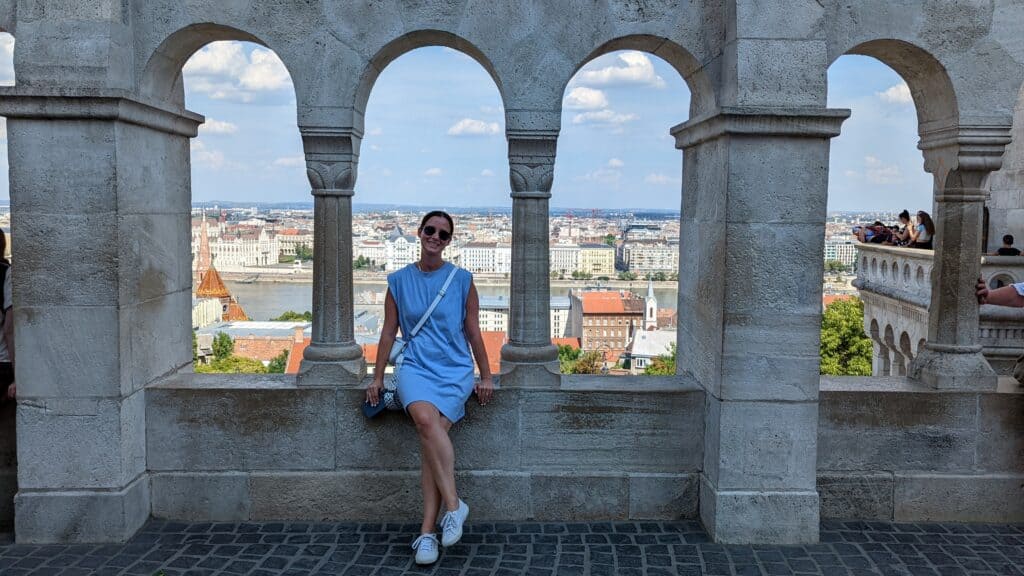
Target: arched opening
251 216
444 149
8 446
895 91
615 220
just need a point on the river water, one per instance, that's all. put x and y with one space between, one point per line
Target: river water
266 300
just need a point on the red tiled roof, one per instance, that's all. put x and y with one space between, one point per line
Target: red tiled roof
261 348
212 286
295 356
493 341
827 299
573 343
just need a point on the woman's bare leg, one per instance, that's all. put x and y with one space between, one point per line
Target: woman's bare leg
437 453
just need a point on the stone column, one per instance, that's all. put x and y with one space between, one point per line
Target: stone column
333 356
752 244
100 208
961 159
530 358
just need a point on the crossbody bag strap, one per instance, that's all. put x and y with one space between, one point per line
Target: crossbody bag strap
437 299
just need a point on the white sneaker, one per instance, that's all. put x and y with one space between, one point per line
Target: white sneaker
451 525
426 549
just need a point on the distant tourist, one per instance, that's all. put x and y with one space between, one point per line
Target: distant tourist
7 338
921 236
1007 248
435 374
877 233
901 236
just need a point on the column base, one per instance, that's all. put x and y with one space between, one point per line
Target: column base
946 367
530 366
334 373
755 517
82 516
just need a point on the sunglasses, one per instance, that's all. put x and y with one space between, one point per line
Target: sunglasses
444 235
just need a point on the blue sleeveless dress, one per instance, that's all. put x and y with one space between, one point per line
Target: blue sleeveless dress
438 366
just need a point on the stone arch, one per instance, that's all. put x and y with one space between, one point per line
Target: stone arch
897 366
929 82
409 42
703 98
906 348
162 77
880 363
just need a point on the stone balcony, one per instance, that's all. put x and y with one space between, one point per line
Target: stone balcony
895 285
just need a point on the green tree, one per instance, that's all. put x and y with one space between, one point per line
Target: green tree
567 357
303 252
279 363
233 365
834 266
659 277
664 365
627 276
589 363
845 348
361 263
578 275
609 239
293 316
195 348
223 346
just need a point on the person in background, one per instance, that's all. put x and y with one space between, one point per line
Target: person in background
922 235
1007 248
901 236
7 340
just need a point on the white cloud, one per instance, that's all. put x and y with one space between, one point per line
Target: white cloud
605 176
632 68
471 127
605 116
212 126
615 163
433 172
880 173
290 161
897 94
377 131
583 98
204 156
226 71
487 173
659 179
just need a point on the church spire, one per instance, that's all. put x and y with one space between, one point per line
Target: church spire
650 307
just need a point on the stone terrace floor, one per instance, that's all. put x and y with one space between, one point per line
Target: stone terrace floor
541 549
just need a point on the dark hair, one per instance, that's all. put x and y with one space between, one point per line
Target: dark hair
1008 239
878 223
438 213
929 226
3 247
905 216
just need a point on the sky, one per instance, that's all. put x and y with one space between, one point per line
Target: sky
435 130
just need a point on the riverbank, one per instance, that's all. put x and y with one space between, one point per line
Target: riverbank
479 279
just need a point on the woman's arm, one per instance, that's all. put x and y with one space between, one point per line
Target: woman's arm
914 233
485 388
387 340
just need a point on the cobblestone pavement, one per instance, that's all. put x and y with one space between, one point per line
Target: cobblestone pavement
535 549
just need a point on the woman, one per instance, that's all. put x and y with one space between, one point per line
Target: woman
901 237
921 236
436 376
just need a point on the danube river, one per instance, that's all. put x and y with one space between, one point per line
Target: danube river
266 300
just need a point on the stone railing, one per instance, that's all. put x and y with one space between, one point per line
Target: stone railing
895 284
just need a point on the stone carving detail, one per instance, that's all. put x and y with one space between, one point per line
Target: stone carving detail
331 175
531 178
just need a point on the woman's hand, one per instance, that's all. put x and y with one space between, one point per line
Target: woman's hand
485 390
373 391
981 291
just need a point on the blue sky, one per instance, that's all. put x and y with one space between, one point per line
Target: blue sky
435 133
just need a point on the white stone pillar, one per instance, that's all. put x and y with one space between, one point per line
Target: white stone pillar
752 244
102 281
961 159
333 356
530 358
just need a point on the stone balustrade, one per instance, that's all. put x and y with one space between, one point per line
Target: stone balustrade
895 284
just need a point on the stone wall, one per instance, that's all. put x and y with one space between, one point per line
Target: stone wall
234 449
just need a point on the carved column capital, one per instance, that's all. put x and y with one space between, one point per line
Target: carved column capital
332 159
964 148
531 158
